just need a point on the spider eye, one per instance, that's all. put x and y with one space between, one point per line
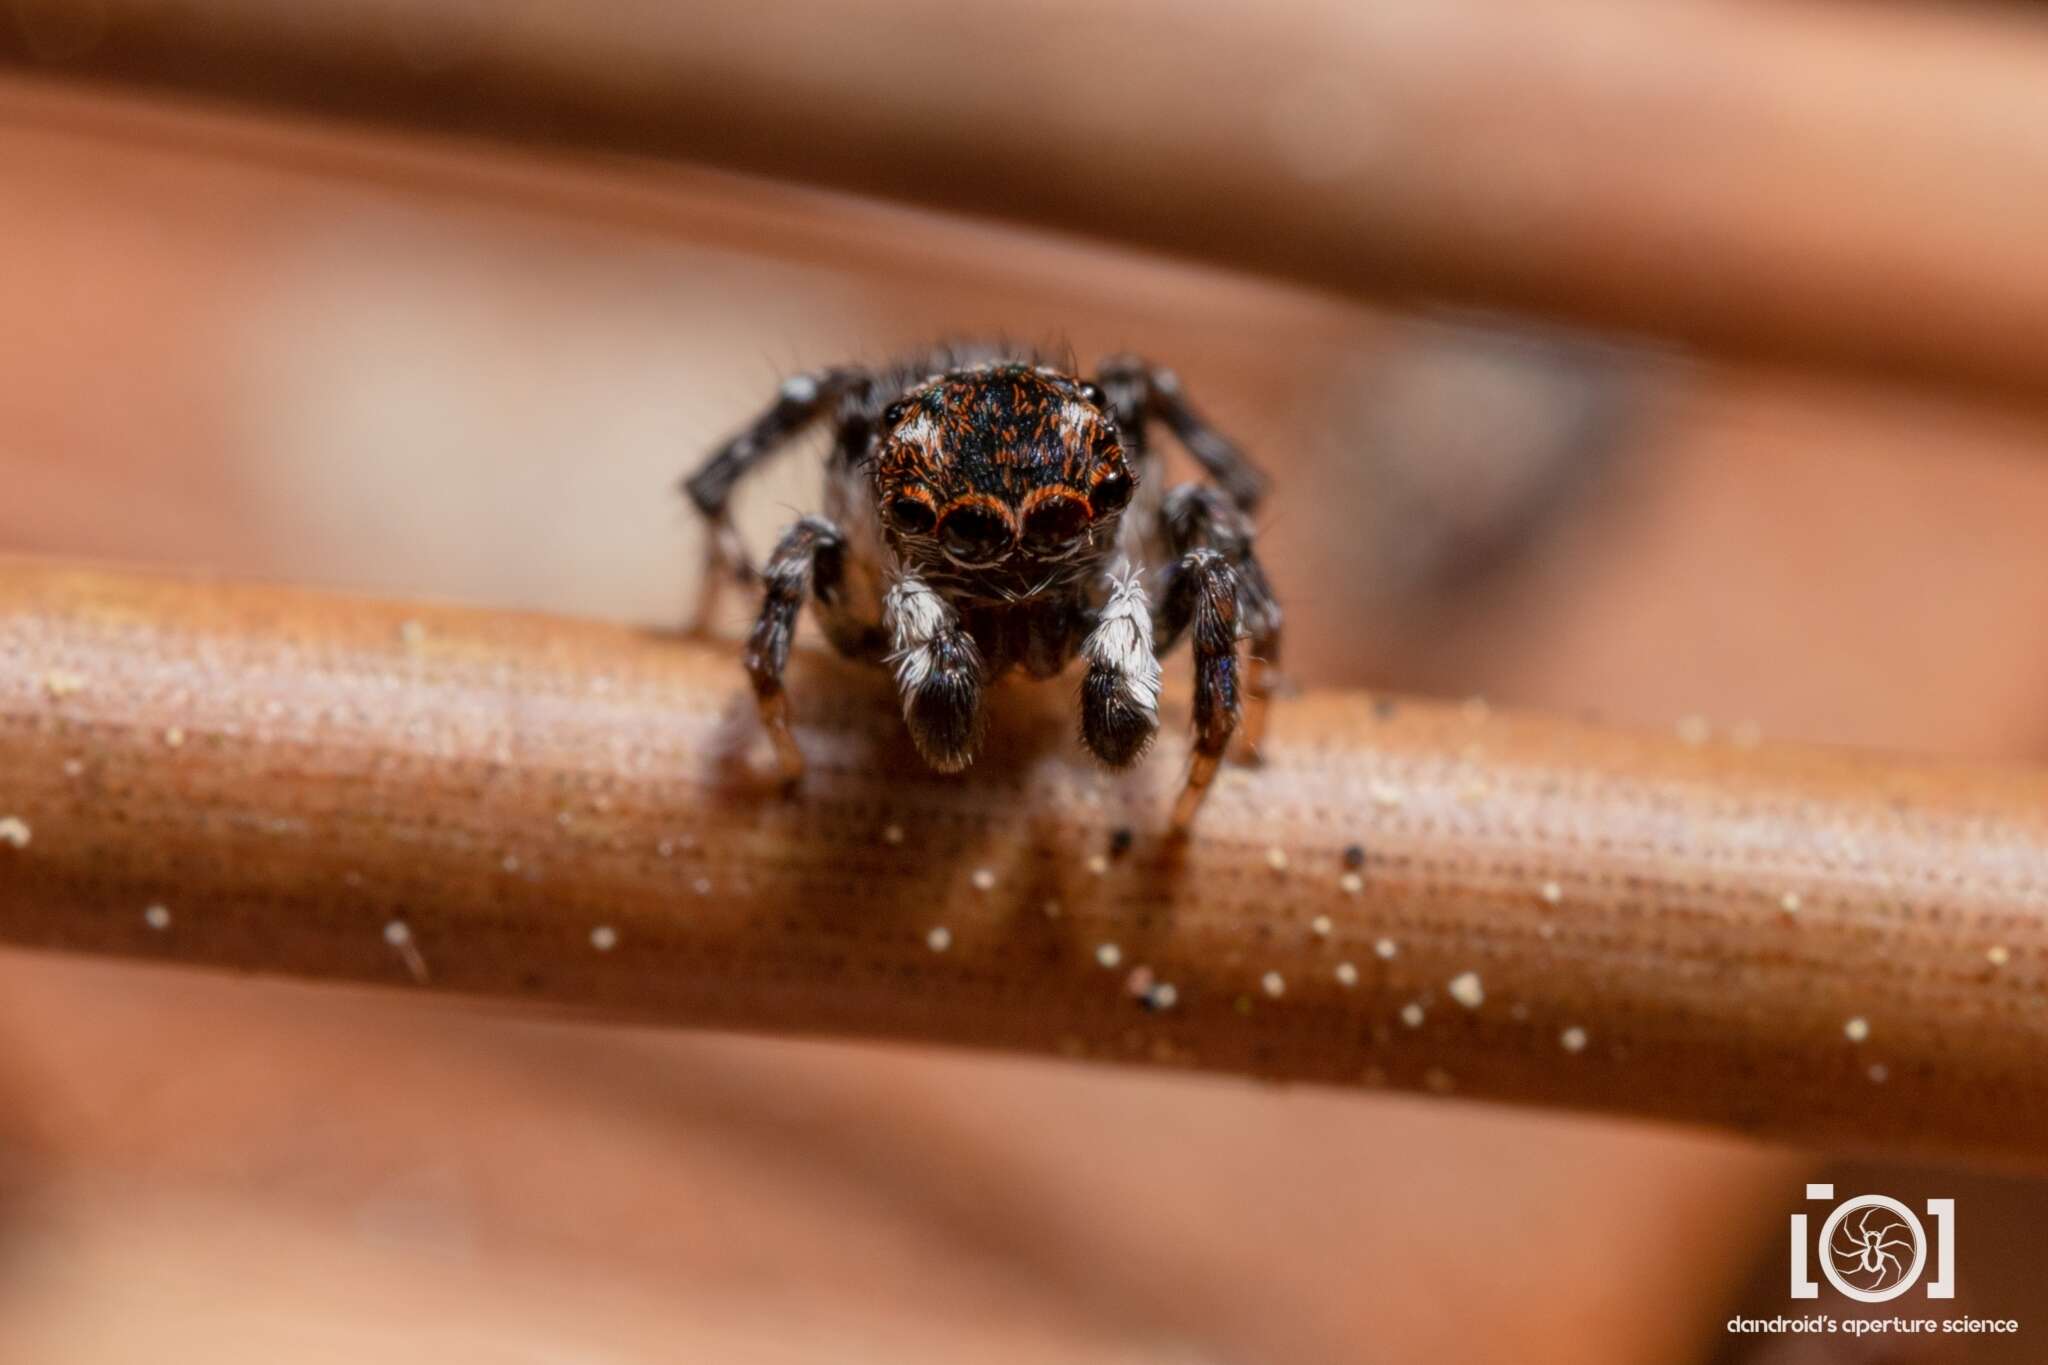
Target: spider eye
1093 393
1111 492
976 534
1054 522
909 516
896 411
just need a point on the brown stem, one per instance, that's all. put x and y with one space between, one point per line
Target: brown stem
1818 945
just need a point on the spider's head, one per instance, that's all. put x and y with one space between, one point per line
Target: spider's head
1009 465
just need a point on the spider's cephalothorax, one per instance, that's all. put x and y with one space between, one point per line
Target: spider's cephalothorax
984 510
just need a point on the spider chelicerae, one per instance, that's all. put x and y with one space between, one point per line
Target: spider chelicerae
985 508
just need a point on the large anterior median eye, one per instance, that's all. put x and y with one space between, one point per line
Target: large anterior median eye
909 516
976 534
1055 521
1112 491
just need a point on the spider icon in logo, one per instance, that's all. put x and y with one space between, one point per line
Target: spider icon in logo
1872 1248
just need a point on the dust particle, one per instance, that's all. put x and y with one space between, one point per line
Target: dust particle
1467 990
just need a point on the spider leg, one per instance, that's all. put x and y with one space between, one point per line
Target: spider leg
801 401
808 560
1201 591
1120 695
1138 390
1197 515
938 672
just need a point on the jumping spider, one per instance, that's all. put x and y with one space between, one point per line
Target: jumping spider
984 509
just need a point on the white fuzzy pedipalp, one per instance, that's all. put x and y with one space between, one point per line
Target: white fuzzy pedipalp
1122 642
915 616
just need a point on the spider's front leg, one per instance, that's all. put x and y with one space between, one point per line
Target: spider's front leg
810 559
1120 695
1201 591
938 671
1195 515
801 400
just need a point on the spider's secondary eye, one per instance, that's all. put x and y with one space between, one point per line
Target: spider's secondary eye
1054 522
1094 394
911 516
1111 492
896 411
976 535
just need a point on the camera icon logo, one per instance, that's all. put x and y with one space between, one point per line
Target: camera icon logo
1873 1248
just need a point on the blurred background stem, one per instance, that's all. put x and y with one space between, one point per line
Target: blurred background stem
1795 183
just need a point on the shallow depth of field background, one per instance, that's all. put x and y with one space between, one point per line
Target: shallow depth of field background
435 368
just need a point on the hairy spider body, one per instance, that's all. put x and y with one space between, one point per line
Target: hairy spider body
987 510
